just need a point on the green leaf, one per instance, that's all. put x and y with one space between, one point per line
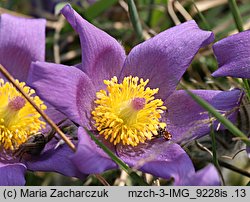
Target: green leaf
207 26
236 14
134 18
97 8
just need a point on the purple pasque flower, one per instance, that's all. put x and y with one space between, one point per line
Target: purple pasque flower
128 100
233 56
21 42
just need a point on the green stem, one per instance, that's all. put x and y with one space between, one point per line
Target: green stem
134 18
150 11
246 86
98 8
122 165
207 26
215 158
236 15
239 24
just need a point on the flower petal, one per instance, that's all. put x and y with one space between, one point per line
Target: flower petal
54 114
164 58
187 120
21 42
162 159
207 176
102 55
154 155
12 174
89 158
233 55
55 160
68 89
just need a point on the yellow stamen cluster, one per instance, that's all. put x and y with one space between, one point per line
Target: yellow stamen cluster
128 112
18 118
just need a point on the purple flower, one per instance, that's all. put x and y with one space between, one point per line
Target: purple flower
22 41
233 55
130 102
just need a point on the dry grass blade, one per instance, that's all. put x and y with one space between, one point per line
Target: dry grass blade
204 5
172 13
70 55
182 10
56 46
102 180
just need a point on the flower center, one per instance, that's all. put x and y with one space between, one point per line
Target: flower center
127 112
18 118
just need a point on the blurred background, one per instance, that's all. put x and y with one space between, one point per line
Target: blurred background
112 16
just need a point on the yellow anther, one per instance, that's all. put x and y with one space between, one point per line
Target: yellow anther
18 118
128 112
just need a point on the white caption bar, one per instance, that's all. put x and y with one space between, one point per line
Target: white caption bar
102 194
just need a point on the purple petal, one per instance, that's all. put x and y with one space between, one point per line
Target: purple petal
207 176
54 114
55 160
12 174
102 55
21 42
68 89
164 58
233 55
89 158
186 119
160 158
167 160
